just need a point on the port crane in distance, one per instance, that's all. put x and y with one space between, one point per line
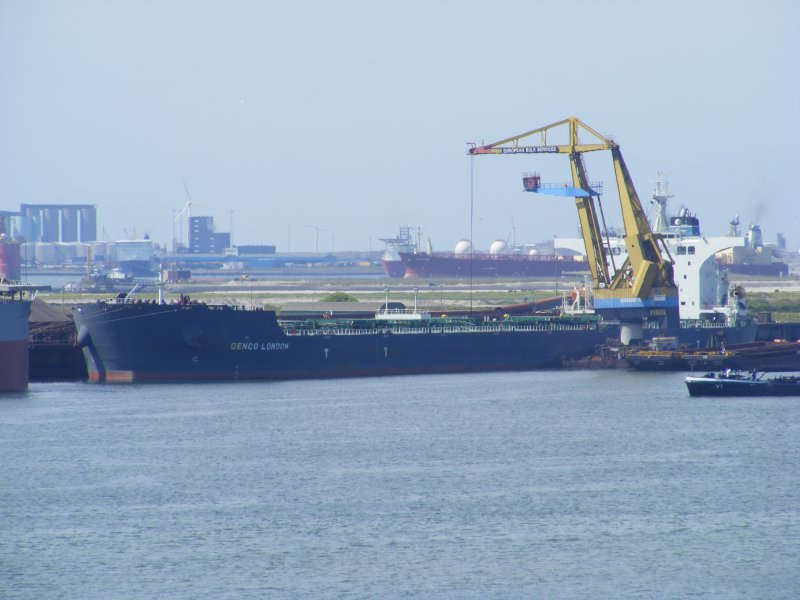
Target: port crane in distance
643 288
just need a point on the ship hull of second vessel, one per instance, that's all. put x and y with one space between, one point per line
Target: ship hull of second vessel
451 265
14 345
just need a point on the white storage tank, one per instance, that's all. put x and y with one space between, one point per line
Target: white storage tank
81 250
498 247
463 247
27 252
45 253
64 252
99 250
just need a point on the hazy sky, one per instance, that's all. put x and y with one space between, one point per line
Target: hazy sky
354 116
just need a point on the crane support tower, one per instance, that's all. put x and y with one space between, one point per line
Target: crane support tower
643 289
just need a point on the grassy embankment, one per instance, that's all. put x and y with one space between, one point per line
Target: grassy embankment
784 306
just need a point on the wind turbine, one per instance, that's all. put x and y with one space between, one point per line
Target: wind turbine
187 208
513 234
316 236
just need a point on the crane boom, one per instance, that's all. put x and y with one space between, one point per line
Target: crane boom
644 287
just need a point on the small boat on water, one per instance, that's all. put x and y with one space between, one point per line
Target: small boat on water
736 383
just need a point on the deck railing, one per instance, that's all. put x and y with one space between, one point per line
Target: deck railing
451 329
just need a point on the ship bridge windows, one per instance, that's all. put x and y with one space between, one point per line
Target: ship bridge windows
682 250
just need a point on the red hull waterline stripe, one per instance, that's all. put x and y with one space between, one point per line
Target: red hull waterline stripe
112 376
133 376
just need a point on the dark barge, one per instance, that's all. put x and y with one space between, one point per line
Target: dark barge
735 383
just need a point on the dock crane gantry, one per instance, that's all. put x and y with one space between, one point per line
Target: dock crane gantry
644 287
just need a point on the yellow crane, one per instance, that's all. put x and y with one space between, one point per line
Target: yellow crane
643 289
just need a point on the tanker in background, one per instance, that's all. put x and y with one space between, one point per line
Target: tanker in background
407 240
754 257
464 262
403 257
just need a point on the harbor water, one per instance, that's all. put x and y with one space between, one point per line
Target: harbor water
544 484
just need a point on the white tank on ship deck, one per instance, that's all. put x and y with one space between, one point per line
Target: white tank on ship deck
498 247
463 247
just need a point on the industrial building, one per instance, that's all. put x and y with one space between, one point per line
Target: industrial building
51 223
203 239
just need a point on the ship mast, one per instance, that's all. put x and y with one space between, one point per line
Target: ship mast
660 197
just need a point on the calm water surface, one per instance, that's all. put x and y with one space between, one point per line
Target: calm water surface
519 485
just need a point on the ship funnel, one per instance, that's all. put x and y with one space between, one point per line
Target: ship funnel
754 239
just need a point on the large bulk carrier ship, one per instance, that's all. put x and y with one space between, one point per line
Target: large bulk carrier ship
139 341
126 340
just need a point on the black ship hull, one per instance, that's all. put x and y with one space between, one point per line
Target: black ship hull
742 386
150 342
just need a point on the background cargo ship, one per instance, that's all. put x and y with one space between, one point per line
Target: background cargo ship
753 257
736 253
403 258
406 240
464 262
740 255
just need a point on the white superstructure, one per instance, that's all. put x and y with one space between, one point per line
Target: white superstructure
704 289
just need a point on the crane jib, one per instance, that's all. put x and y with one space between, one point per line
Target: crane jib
529 149
568 191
